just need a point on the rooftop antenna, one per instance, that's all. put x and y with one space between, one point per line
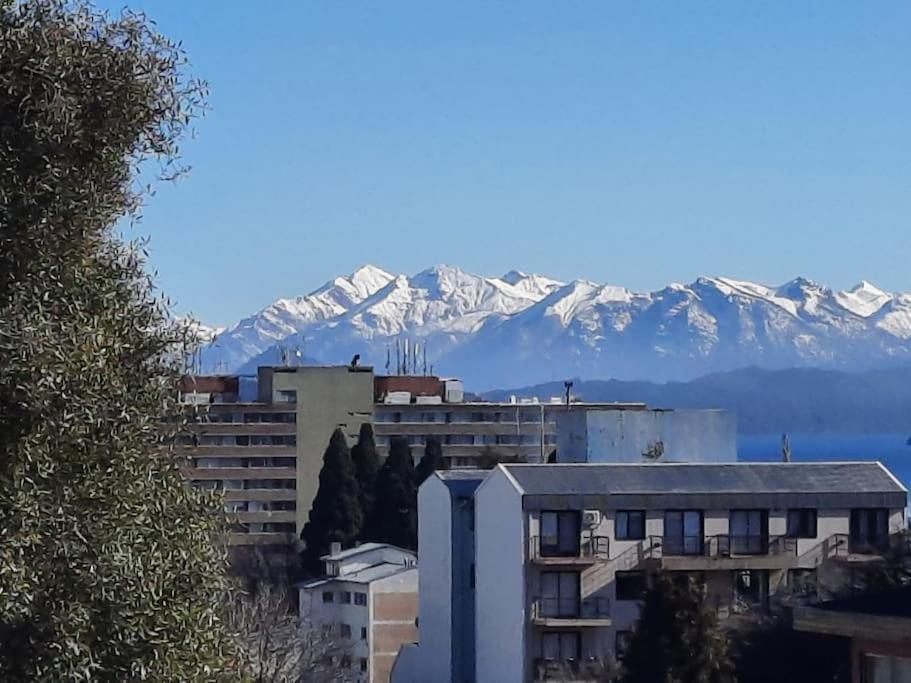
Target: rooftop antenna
398 362
387 358
425 359
568 385
414 358
785 448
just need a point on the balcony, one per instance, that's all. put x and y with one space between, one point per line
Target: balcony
588 551
724 551
570 612
569 669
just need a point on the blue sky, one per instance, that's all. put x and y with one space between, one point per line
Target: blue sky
633 143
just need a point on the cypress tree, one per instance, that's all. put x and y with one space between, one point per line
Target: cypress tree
394 517
431 461
111 567
366 467
676 638
335 516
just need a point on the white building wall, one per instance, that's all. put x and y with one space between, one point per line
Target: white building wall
318 613
501 626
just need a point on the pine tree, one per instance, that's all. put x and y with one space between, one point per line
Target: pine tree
366 467
676 638
111 567
335 516
394 517
431 461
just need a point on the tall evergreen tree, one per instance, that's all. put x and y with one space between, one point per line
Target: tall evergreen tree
394 518
335 516
431 461
366 467
676 638
111 567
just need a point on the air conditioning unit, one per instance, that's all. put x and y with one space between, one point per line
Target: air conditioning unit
591 518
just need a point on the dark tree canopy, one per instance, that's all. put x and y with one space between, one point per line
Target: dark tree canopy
394 519
111 568
335 516
366 467
431 461
676 638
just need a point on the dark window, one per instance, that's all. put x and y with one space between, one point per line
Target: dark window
471 576
363 633
560 646
363 664
683 532
869 530
559 595
749 532
360 599
802 523
345 597
630 525
559 534
345 630
622 643
630 585
328 596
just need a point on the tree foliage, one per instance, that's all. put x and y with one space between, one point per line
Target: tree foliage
676 639
366 467
335 516
394 518
110 566
431 461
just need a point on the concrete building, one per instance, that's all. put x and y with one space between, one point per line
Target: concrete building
369 599
563 553
878 627
591 434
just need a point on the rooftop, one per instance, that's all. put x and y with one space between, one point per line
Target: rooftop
691 478
463 482
366 575
361 549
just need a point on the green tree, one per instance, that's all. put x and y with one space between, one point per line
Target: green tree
676 639
111 568
431 461
394 518
335 516
366 467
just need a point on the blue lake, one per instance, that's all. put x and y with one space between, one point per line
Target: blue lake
890 449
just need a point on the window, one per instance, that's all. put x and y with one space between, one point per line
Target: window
559 534
869 530
560 646
345 630
683 532
630 585
621 646
471 576
363 633
802 523
883 669
344 597
749 532
360 599
559 595
328 596
630 525
363 664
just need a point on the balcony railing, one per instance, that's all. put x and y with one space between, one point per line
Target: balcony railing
546 607
724 545
590 548
570 668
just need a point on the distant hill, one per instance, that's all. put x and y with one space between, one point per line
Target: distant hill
767 401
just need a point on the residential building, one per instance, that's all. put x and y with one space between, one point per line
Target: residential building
579 541
369 601
878 626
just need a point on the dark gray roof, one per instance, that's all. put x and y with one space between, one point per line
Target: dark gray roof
595 479
463 482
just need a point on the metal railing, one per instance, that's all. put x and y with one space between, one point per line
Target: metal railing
546 607
569 668
589 547
723 545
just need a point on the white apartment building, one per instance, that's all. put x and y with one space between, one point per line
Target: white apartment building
562 551
368 599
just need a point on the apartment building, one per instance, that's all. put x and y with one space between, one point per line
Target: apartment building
368 600
261 441
578 541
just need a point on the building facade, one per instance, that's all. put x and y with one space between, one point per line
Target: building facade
368 600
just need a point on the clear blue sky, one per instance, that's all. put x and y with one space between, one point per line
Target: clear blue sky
635 143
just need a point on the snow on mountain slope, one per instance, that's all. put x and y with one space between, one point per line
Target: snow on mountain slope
521 328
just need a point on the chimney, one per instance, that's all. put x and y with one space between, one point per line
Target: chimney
335 548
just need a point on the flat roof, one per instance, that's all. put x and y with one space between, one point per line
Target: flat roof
693 478
366 575
363 548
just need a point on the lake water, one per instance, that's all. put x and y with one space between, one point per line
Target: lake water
891 449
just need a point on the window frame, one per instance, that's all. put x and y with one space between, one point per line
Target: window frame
630 577
328 597
628 515
360 599
807 525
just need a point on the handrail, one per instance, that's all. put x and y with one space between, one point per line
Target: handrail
592 607
590 547
723 545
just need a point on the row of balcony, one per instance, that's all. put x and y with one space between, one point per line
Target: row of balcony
570 611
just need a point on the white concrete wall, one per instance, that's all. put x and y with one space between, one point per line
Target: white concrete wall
318 613
501 624
435 581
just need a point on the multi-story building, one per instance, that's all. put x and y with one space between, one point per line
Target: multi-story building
368 601
563 553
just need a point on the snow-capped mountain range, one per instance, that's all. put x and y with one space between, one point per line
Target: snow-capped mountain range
520 329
